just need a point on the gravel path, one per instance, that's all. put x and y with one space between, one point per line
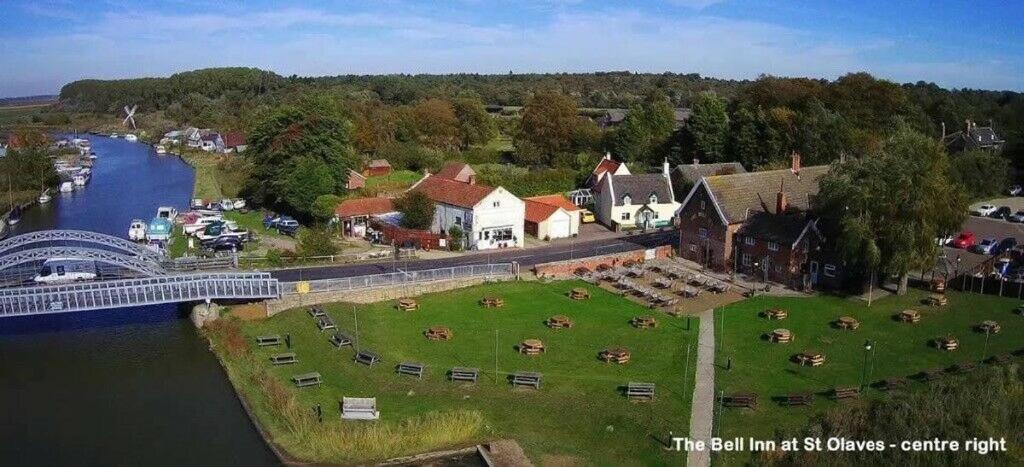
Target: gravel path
702 411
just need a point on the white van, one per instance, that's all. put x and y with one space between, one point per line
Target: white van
60 270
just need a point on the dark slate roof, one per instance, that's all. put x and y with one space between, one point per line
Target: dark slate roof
783 229
693 172
740 194
977 137
639 188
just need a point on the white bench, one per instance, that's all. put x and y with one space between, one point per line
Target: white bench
359 408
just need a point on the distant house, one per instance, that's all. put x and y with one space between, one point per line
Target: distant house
194 137
758 223
629 201
973 137
607 165
355 181
354 214
551 216
615 117
211 142
685 176
489 217
377 168
234 141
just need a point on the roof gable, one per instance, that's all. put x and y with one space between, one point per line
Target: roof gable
458 172
539 212
364 207
640 187
448 191
739 195
556 200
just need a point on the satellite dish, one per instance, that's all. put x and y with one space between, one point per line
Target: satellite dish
130 115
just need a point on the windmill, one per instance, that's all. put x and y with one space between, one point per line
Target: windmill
130 115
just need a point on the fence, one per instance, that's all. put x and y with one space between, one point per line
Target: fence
288 260
989 285
495 271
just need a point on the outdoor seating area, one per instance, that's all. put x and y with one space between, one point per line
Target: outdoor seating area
270 340
775 313
948 343
989 327
463 374
492 302
809 358
618 355
640 392
644 322
848 323
909 316
532 347
407 304
936 300
937 285
438 333
662 282
780 336
306 380
316 312
367 357
578 293
746 400
410 368
340 339
359 408
324 322
284 359
527 379
559 322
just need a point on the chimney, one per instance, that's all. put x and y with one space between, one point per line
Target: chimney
795 166
607 155
665 168
780 198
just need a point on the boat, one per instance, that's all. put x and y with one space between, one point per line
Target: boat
160 149
67 187
239 204
137 231
115 135
44 198
80 180
227 205
131 138
159 230
14 216
167 212
198 224
222 229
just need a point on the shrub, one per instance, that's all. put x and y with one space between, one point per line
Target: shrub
316 242
417 210
456 234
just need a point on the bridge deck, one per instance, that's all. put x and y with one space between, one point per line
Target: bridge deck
34 300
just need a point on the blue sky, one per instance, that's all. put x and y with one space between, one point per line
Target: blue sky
978 44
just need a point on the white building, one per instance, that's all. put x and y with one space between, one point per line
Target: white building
643 201
489 217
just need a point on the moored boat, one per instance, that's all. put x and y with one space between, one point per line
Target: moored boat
160 149
67 187
44 198
159 230
137 230
131 138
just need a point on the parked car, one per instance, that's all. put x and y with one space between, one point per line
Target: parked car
985 247
1016 190
965 240
1004 245
225 244
983 210
287 227
1002 268
587 216
944 240
1003 212
1017 217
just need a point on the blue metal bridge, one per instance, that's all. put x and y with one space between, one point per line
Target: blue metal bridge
128 275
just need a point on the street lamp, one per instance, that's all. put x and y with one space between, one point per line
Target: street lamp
868 345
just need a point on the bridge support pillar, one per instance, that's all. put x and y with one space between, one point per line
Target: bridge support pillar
205 313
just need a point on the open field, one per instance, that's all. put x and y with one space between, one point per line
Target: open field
899 350
578 415
214 181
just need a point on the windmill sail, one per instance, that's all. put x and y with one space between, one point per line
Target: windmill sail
130 115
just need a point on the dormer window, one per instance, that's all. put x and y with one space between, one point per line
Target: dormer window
653 199
627 200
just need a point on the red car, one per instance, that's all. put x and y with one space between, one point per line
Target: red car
964 240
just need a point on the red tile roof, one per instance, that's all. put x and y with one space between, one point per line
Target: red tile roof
538 212
364 207
447 191
555 200
606 165
233 139
378 163
455 171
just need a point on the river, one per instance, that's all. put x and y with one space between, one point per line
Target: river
135 386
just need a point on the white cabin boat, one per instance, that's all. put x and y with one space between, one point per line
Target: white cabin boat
137 231
167 212
160 149
131 138
67 187
199 224
44 198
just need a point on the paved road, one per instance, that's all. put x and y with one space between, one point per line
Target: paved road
702 411
525 257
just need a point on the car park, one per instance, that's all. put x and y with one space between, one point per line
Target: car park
1005 245
985 247
1016 190
1002 212
1017 216
964 241
984 210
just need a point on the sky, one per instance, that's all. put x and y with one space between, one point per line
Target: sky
975 44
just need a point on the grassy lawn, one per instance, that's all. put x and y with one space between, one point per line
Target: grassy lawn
578 415
396 181
213 180
900 350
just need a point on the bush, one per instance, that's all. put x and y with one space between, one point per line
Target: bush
456 234
417 210
316 242
274 257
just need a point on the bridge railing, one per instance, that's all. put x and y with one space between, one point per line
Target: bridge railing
494 271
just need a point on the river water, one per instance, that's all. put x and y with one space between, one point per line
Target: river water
134 386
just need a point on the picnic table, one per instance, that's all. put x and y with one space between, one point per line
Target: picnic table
851 392
579 293
946 343
910 316
989 327
618 355
492 302
938 285
559 321
775 313
804 398
847 322
937 300
781 336
748 400
644 322
532 347
810 358
408 304
438 333
640 392
689 292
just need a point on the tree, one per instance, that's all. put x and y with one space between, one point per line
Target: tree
548 124
708 126
324 205
981 173
373 125
456 235
417 210
822 135
437 126
475 125
315 242
312 138
644 134
887 208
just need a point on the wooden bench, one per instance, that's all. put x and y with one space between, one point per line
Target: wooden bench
306 380
340 339
989 327
936 300
438 333
948 343
317 312
525 378
579 294
266 341
850 392
847 322
559 322
797 399
359 408
909 316
775 313
459 373
408 304
367 357
889 384
410 368
618 355
740 400
644 322
492 302
324 323
284 359
640 391
961 368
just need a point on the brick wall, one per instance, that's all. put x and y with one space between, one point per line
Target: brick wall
715 249
567 268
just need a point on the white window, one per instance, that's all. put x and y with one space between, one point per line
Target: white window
497 204
746 259
625 216
693 248
627 200
773 246
702 233
653 199
748 240
829 270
